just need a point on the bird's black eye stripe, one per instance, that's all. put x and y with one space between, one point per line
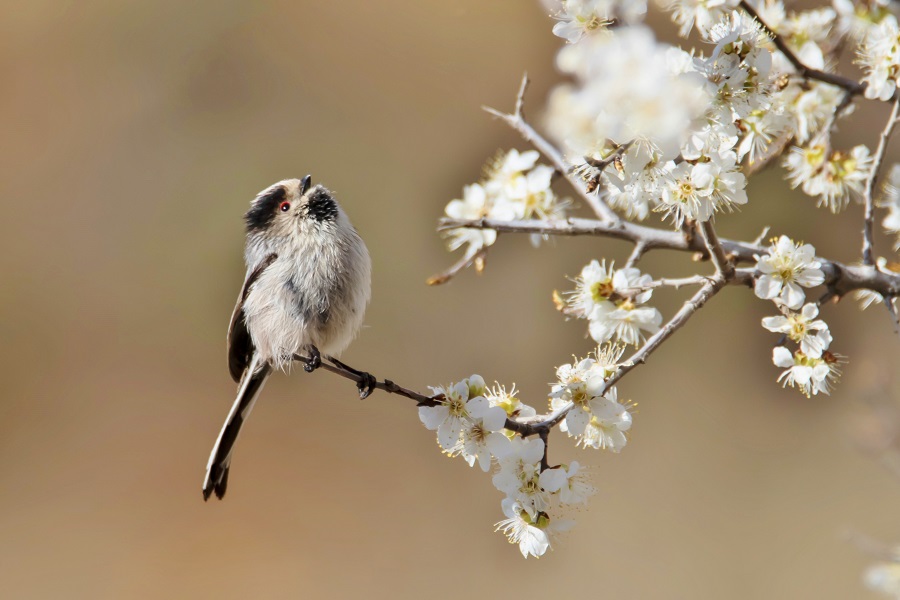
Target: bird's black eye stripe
321 206
262 211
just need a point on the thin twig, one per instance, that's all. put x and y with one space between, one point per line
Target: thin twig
520 97
852 86
724 267
602 164
385 385
842 277
540 425
762 236
636 254
877 160
517 122
709 289
455 268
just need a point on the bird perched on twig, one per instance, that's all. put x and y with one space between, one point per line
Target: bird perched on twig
307 285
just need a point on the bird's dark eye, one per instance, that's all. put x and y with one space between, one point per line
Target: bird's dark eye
284 206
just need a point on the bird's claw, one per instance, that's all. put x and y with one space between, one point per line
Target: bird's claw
366 385
315 360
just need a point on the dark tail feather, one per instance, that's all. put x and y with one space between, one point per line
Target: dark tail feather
220 459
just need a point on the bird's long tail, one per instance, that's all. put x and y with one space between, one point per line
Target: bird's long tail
220 459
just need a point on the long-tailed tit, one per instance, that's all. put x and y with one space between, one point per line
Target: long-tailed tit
307 285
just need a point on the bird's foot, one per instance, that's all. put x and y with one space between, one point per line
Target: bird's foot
366 383
315 360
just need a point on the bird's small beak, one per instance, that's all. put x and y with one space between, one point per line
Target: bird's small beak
304 184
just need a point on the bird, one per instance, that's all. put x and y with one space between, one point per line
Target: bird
307 286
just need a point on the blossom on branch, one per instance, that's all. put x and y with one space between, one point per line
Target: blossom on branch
595 419
613 302
786 268
702 13
813 336
578 18
570 482
515 187
835 177
627 87
857 18
809 375
533 533
879 56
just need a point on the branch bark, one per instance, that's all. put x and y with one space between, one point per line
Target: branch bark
841 277
517 122
852 86
877 160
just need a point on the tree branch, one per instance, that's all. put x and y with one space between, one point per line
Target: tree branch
456 267
853 87
877 160
385 385
841 277
709 289
517 122
722 263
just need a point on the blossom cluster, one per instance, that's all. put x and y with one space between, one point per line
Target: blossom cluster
654 129
785 270
614 303
594 416
577 18
879 55
469 419
514 187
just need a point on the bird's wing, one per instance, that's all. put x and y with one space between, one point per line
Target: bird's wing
240 345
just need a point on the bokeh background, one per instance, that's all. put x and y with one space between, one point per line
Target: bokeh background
134 136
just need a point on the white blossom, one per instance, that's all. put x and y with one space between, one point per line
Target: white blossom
786 268
632 187
578 18
519 474
809 107
480 437
476 204
570 482
835 177
760 128
809 375
608 425
698 190
700 13
803 328
738 72
506 174
579 384
533 533
595 417
879 56
857 18
509 402
614 303
464 420
626 89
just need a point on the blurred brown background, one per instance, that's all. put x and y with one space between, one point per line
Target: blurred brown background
134 136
